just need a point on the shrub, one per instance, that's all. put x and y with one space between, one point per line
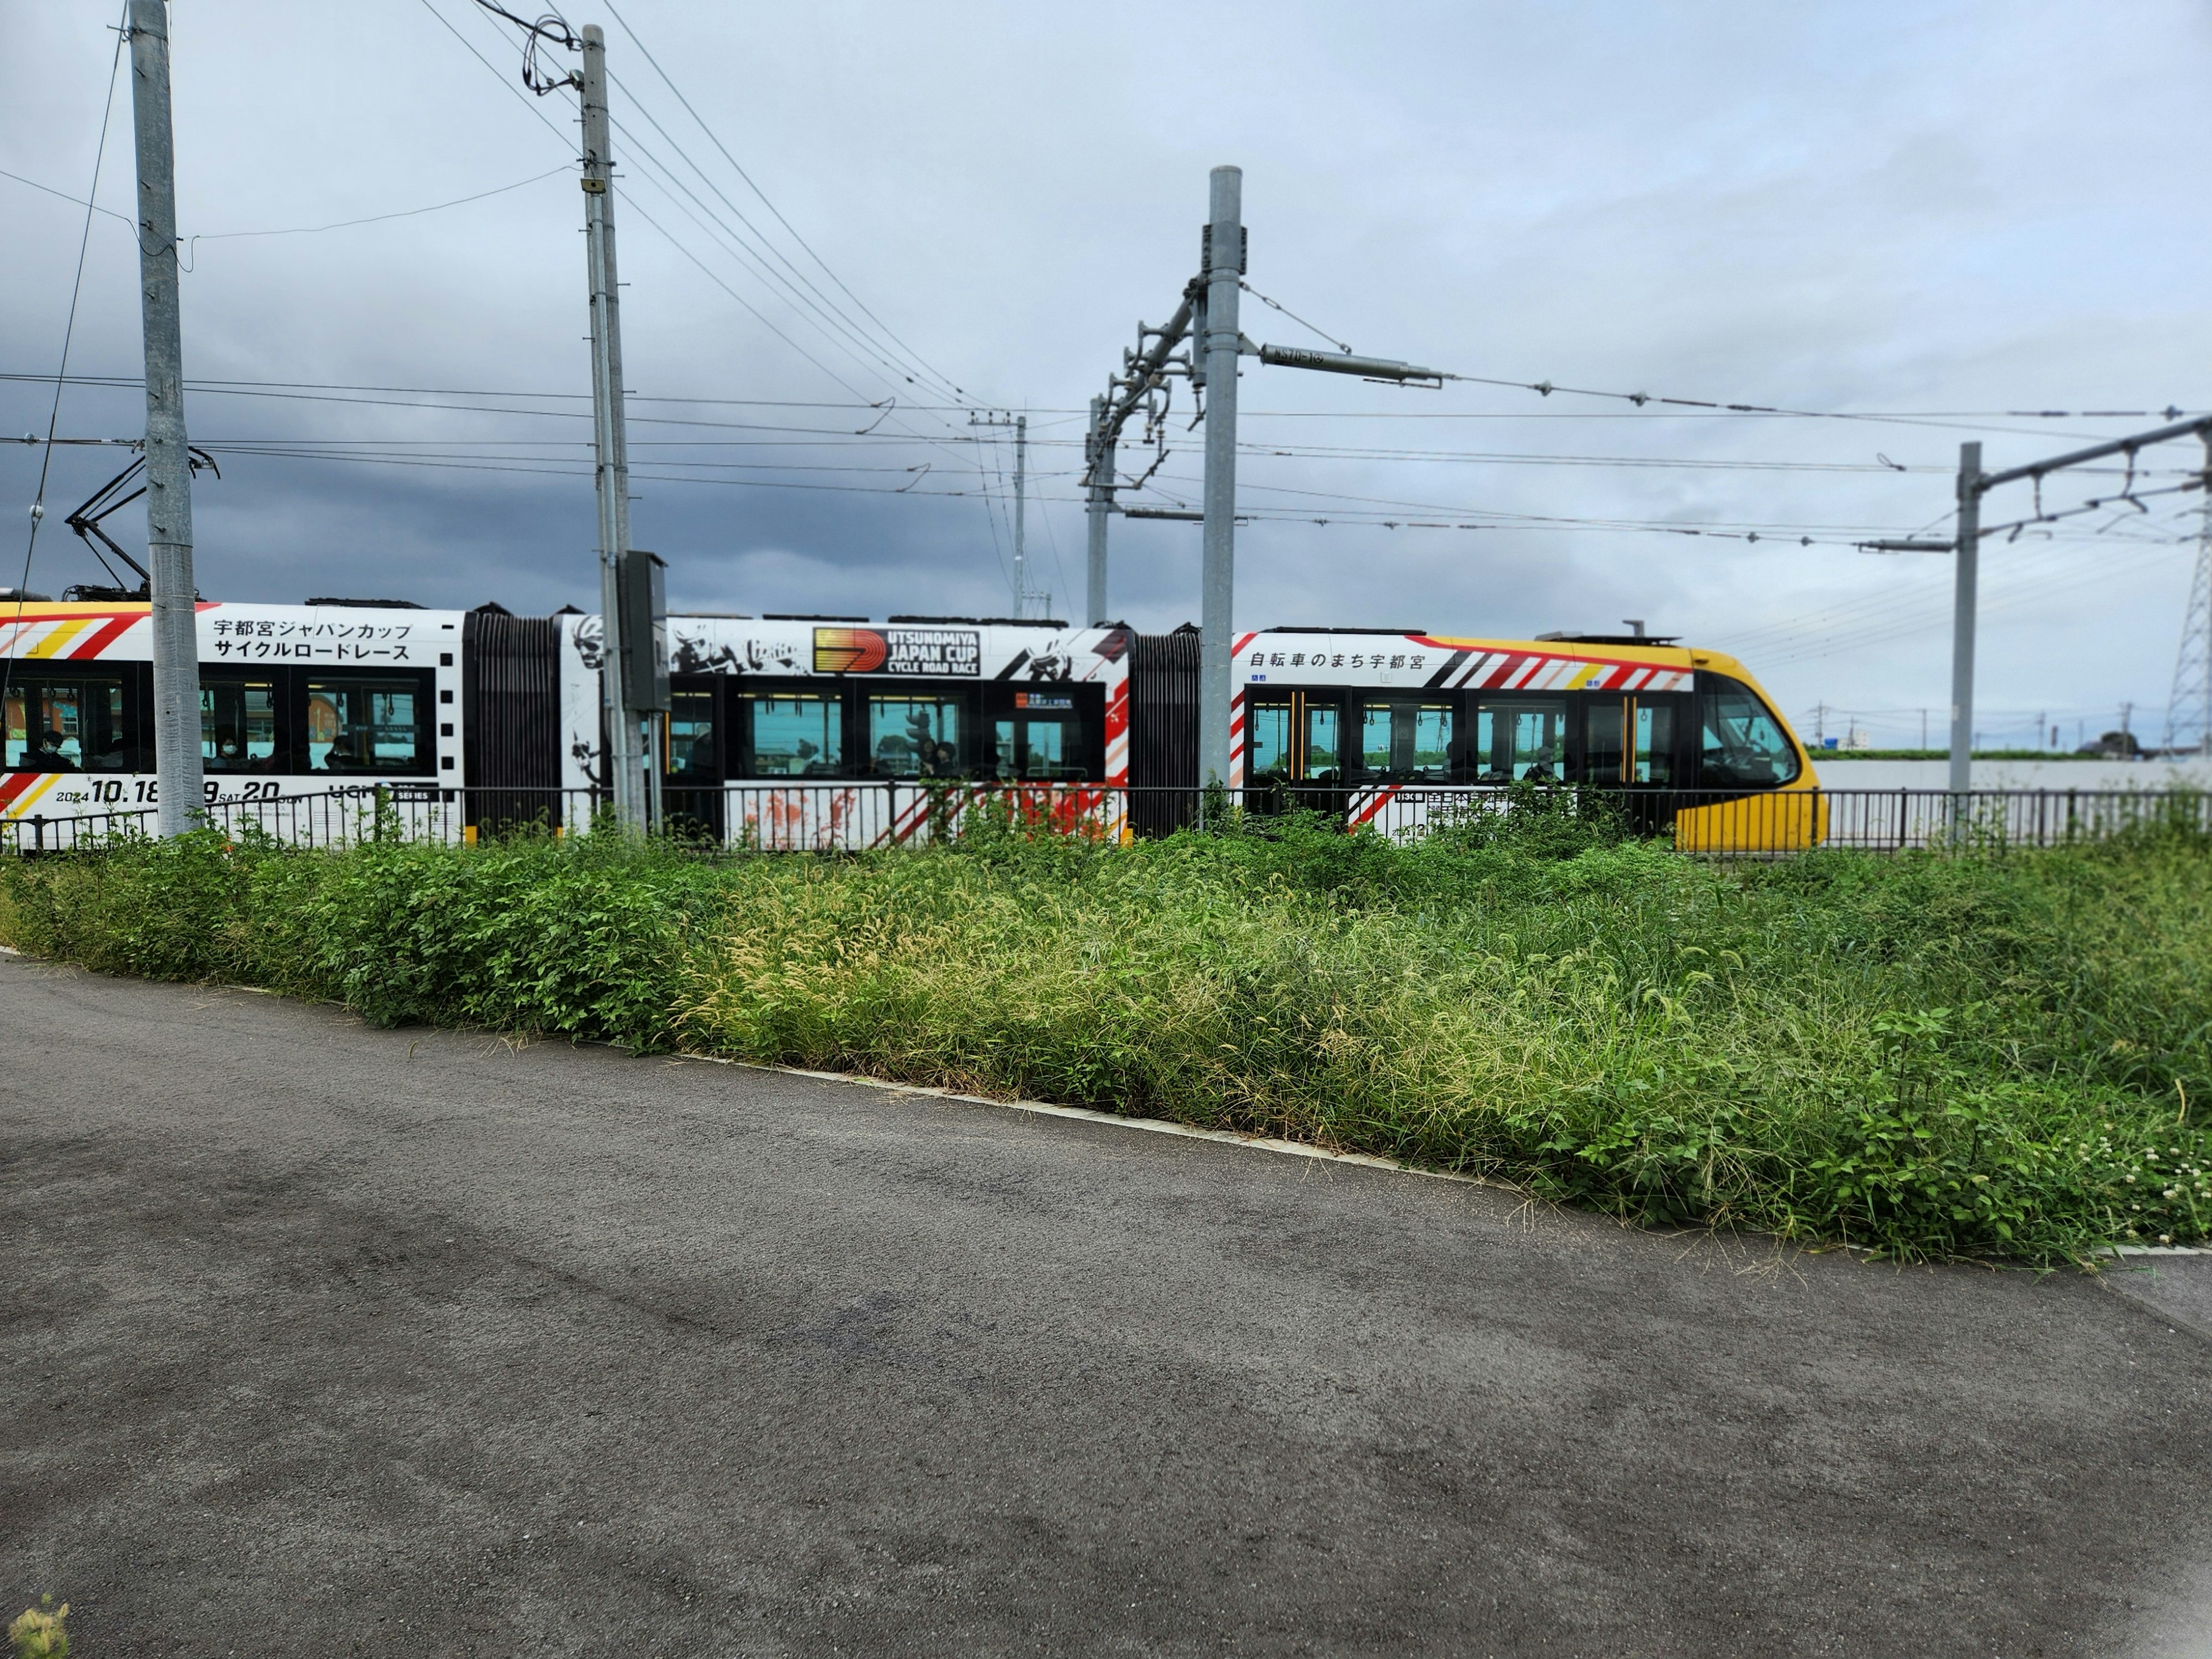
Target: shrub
1986 1055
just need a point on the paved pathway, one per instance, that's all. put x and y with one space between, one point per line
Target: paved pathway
318 1340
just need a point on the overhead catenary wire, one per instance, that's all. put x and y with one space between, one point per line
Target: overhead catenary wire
1935 618
1347 453
1832 535
1717 406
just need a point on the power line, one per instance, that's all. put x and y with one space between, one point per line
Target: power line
242 386
658 174
813 300
124 218
374 218
69 335
740 170
527 103
666 235
910 356
1875 633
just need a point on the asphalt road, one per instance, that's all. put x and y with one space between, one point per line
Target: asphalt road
318 1340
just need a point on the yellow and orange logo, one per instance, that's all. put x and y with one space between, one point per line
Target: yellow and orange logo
848 650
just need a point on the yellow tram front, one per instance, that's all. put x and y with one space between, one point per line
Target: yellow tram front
1389 724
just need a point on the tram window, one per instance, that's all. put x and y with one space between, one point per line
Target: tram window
1268 740
1321 724
1406 739
1520 740
1655 743
365 724
238 725
911 736
1601 731
1740 743
796 734
1043 747
691 737
1298 735
67 724
1267 743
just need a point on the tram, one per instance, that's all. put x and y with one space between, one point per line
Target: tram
818 731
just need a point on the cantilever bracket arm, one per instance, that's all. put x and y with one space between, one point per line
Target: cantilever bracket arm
1342 362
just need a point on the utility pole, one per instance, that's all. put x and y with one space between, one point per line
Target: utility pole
1098 461
175 619
2189 709
626 759
1206 316
1021 493
1224 266
1020 423
1968 551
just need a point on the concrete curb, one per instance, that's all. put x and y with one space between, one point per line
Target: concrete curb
1162 1126
1150 1125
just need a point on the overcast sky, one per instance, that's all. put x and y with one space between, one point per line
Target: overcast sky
1952 210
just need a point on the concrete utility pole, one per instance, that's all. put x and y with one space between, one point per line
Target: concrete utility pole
626 758
168 464
1021 491
1968 551
1207 317
1099 459
1224 264
2189 709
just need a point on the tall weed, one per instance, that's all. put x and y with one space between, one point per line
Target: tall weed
1982 1055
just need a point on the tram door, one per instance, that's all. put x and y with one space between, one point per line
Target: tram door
692 766
1294 751
1634 745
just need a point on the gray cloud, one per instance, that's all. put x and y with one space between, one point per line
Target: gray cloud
1971 206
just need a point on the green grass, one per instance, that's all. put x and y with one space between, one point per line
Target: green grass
1986 1055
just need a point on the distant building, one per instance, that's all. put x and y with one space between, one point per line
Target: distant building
2113 745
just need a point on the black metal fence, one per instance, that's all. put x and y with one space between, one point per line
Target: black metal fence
851 815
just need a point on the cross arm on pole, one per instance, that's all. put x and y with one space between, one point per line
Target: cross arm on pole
2201 426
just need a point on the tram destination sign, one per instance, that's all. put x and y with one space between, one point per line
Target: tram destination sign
932 651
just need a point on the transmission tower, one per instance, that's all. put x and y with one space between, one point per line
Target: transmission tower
2189 710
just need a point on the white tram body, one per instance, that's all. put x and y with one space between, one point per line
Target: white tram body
295 699
820 732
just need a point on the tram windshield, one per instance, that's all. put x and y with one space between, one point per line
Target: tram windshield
1739 741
